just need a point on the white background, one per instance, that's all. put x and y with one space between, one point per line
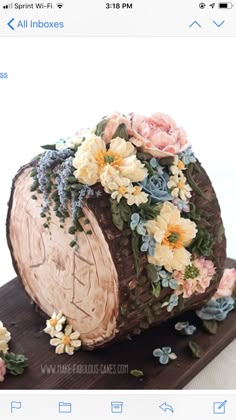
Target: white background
59 85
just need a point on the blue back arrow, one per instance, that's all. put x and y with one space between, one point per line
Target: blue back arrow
9 24
165 407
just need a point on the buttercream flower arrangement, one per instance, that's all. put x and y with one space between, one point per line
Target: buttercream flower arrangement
144 165
12 363
62 335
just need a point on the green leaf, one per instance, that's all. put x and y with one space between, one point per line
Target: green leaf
121 132
149 167
101 127
33 172
15 363
49 147
156 289
137 373
220 234
125 210
135 242
72 230
210 326
151 272
196 350
34 186
203 243
116 215
72 180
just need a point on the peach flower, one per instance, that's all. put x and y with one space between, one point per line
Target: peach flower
158 135
227 283
195 278
113 122
3 370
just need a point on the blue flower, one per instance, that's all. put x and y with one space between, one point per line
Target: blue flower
169 282
185 328
156 165
148 245
216 309
165 277
187 156
165 355
182 205
171 303
156 187
137 224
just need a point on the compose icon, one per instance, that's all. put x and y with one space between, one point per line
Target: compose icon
64 408
219 407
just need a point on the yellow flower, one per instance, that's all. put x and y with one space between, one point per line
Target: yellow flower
137 196
66 342
178 186
5 337
55 324
172 234
93 158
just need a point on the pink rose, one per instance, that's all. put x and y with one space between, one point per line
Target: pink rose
227 283
3 370
113 122
158 135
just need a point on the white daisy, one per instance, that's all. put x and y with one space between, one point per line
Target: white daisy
179 187
66 342
55 324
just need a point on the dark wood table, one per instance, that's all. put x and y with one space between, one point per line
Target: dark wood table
106 368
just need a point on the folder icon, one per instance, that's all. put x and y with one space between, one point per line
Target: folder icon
65 407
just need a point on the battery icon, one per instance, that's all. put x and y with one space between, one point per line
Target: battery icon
227 5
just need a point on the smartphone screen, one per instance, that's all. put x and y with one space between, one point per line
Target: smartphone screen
117 222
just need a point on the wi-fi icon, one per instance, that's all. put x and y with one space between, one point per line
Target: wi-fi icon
60 5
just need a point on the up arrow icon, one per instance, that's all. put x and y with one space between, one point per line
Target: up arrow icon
195 23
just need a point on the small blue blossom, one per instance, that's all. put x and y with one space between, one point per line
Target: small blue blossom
48 161
164 354
156 165
169 282
98 193
77 200
187 156
185 328
156 187
166 278
171 303
216 309
182 205
137 224
148 245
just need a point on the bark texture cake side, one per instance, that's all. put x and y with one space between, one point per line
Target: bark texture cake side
148 239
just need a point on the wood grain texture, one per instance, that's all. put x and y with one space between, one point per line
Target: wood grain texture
82 284
49 371
96 287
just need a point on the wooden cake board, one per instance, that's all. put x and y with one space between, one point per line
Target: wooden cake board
105 368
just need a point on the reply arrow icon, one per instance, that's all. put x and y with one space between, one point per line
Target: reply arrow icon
165 407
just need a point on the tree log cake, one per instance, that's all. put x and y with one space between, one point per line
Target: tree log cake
117 227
